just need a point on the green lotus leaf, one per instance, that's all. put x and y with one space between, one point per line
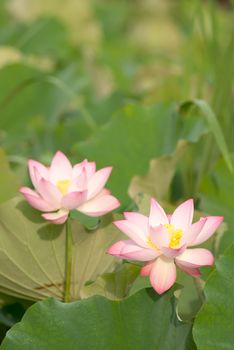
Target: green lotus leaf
32 253
213 327
114 285
143 321
8 180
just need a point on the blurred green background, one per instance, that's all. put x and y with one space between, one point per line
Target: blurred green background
109 81
105 80
143 85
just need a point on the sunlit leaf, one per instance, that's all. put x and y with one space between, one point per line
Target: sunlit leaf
32 254
9 183
77 15
143 321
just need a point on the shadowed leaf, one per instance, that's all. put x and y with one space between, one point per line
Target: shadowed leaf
114 285
158 179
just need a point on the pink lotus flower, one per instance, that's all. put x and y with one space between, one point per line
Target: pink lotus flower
61 188
162 242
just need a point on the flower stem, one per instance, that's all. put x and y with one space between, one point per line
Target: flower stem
68 261
199 284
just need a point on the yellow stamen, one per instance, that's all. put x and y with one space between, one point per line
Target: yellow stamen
175 234
175 238
63 186
169 227
152 244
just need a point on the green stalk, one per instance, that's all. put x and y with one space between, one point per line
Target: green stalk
68 261
199 284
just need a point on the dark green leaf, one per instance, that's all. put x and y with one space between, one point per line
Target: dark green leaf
89 222
217 199
143 321
134 135
44 36
213 124
114 285
213 328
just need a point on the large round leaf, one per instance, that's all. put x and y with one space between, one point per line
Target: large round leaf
8 180
143 321
213 329
32 253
